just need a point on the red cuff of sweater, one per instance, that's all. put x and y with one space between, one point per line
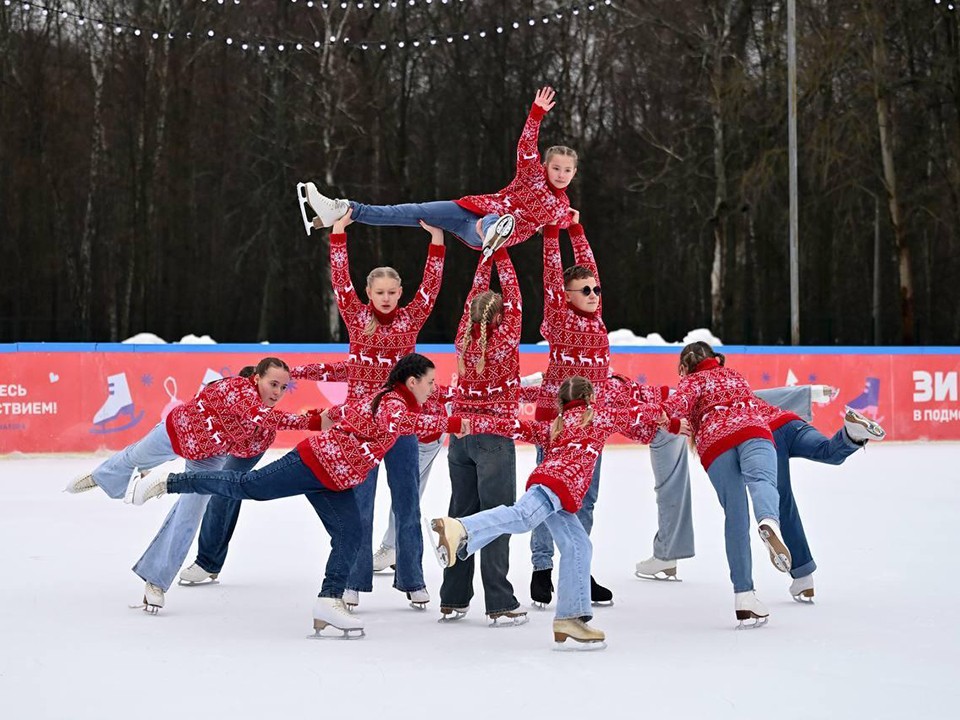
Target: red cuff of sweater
315 422
338 238
501 255
537 112
575 228
674 426
434 251
664 392
454 425
551 231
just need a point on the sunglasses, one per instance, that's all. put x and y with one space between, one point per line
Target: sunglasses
585 291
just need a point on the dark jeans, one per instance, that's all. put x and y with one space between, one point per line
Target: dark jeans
286 477
803 440
219 522
403 478
483 475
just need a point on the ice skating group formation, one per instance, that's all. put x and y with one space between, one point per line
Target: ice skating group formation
396 414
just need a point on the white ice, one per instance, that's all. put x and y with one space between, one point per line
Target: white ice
881 641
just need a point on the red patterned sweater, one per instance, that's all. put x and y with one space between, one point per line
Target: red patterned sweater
529 197
720 407
495 391
568 461
342 457
579 344
372 356
227 417
776 417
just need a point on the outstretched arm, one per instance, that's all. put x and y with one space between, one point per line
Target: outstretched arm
553 297
321 372
583 254
512 302
347 301
422 304
528 153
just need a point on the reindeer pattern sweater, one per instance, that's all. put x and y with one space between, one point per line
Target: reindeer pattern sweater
529 197
371 357
568 460
579 344
495 390
227 417
342 456
720 407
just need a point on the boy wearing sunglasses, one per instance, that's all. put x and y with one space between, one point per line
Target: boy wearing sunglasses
579 345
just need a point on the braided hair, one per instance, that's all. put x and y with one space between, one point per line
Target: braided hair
483 308
413 365
573 388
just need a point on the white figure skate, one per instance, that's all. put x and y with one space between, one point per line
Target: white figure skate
748 607
654 569
450 614
451 535
351 598
498 234
196 575
152 599
326 209
143 487
332 613
860 428
80 484
419 599
801 589
385 557
779 553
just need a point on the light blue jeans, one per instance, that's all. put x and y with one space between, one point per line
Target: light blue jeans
113 475
539 505
168 549
541 539
750 467
444 214
428 453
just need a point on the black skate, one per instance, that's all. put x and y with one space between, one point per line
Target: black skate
541 588
599 595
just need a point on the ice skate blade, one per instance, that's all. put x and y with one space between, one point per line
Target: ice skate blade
149 609
452 617
779 554
209 581
539 605
666 577
745 617
419 606
602 603
333 632
439 551
560 644
302 196
805 597
508 622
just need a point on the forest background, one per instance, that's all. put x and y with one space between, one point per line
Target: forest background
148 184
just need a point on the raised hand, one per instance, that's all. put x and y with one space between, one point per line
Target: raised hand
464 428
544 98
574 216
340 225
436 234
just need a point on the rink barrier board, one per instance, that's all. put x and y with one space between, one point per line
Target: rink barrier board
56 397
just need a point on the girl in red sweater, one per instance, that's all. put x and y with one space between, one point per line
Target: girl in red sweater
555 490
537 196
483 468
326 467
381 331
736 449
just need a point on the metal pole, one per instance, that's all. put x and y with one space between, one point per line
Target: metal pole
792 132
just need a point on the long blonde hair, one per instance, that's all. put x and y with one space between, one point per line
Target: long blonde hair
483 308
376 274
573 388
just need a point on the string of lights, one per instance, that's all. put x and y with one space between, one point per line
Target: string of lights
262 45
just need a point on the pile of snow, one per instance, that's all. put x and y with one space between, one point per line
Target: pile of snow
151 339
628 337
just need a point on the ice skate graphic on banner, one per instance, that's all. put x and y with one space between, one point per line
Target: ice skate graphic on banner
118 412
170 387
209 376
868 401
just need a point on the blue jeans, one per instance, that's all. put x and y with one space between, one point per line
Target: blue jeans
671 483
169 547
541 539
483 475
539 505
113 474
800 439
286 477
427 453
752 465
403 478
444 214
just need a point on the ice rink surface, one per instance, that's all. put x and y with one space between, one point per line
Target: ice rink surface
881 641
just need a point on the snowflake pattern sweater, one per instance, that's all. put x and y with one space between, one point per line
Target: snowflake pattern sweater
342 457
372 356
720 407
579 344
495 390
529 197
227 417
568 461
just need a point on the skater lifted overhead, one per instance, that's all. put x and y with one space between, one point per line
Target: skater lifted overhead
327 468
537 196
